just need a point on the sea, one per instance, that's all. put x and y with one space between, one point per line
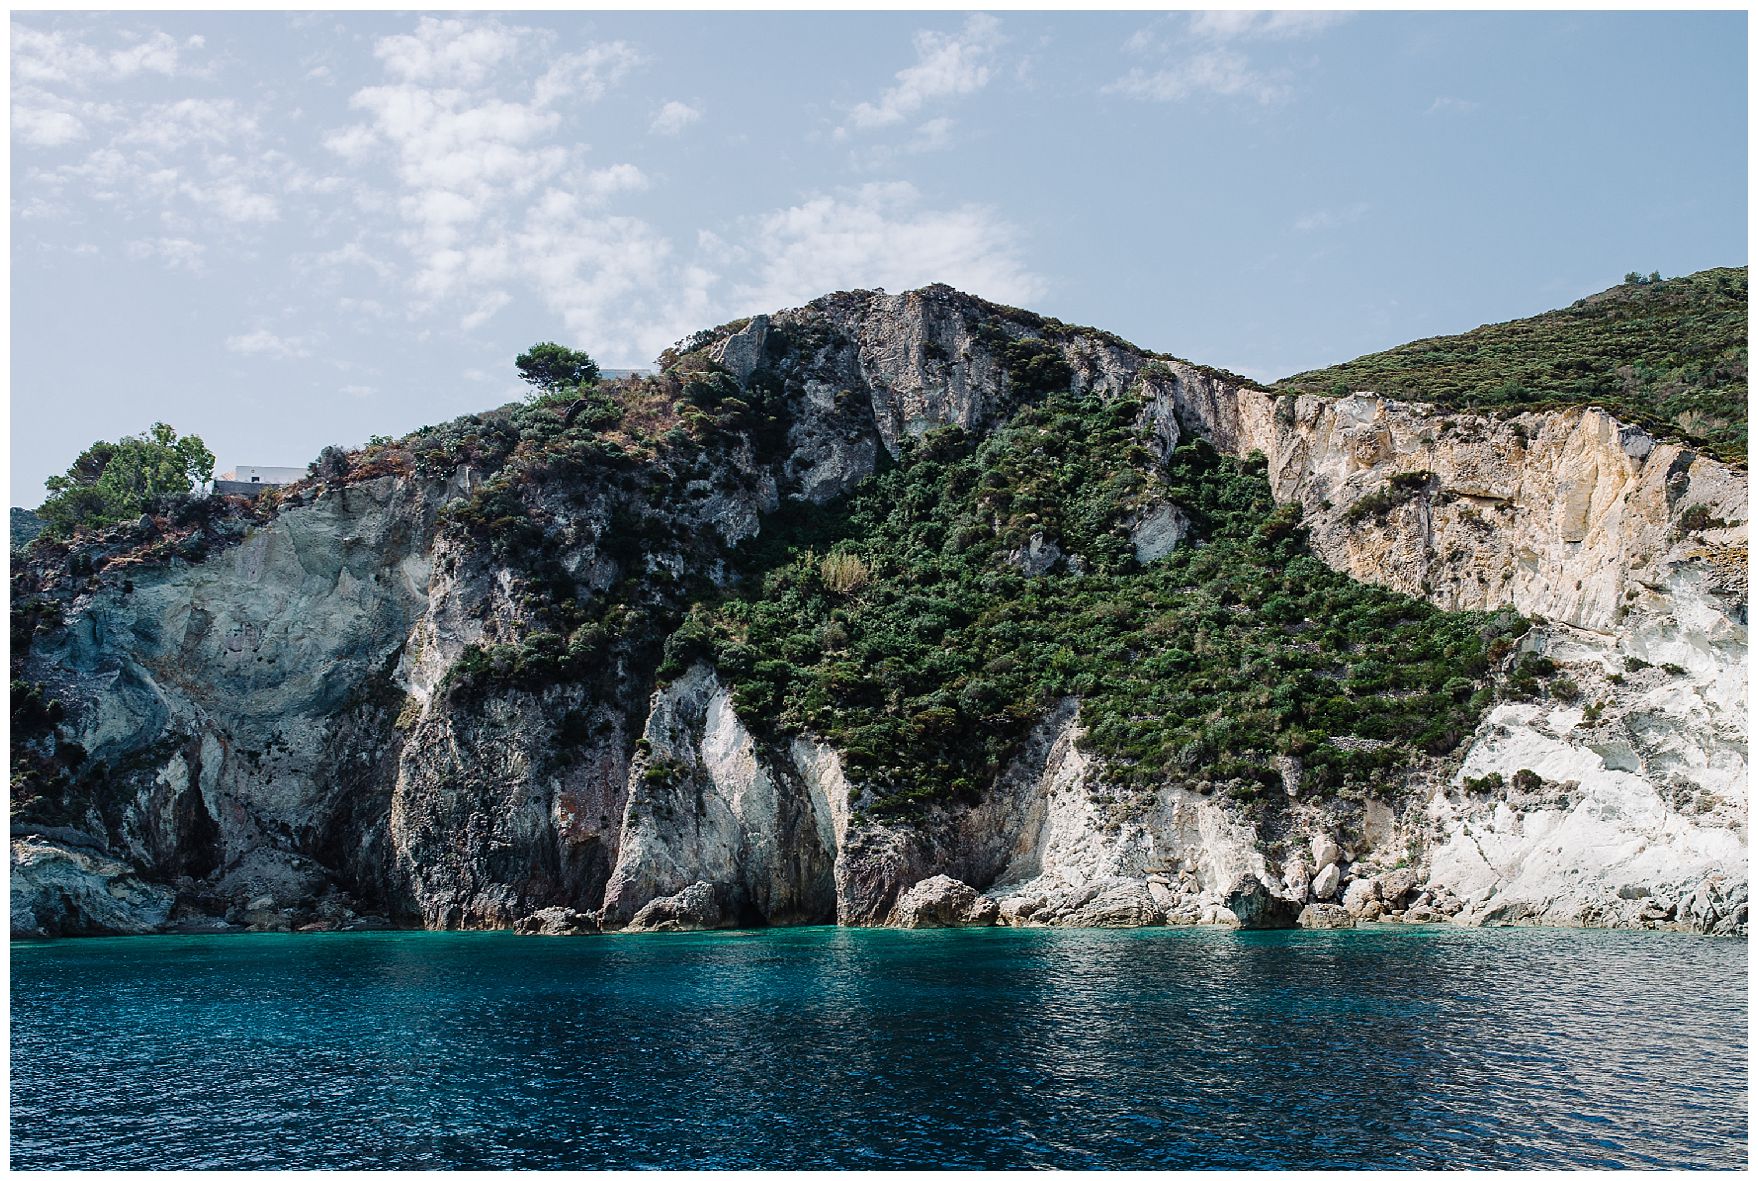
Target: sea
1385 1047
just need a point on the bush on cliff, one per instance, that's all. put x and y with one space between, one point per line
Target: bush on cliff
112 482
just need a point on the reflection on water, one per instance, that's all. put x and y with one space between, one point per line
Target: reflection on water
1395 1048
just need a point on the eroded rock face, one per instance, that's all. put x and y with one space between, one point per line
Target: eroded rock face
67 889
703 807
278 721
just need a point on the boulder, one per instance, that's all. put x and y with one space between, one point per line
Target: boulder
1396 886
1733 923
1158 532
1018 909
1296 876
1123 903
941 901
1256 907
266 918
1324 886
1037 557
557 920
742 352
1325 851
1361 891
694 908
1325 916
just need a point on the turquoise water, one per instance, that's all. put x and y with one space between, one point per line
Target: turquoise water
823 1047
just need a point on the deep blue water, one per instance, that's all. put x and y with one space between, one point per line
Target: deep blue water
822 1047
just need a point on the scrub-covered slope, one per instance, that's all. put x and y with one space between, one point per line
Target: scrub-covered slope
905 609
1665 354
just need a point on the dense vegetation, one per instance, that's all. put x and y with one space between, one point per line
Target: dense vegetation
119 481
897 627
1669 354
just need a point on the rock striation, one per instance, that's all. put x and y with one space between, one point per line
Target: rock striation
275 734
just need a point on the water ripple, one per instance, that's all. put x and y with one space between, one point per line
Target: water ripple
828 1048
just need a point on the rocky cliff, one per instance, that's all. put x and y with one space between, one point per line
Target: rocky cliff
452 685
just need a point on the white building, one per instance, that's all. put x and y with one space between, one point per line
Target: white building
248 480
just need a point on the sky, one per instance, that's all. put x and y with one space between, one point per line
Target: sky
281 231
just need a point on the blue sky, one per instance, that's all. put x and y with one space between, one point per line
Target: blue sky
280 232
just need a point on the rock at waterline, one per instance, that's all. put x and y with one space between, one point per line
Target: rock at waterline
1325 916
942 901
557 920
694 908
1256 908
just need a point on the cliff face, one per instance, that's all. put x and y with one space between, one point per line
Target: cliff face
282 733
1632 553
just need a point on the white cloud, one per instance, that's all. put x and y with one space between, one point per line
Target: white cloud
493 302
452 51
370 308
1330 219
263 343
605 183
673 117
473 172
586 75
45 57
490 191
174 253
156 54
45 129
881 235
359 391
1444 104
347 257
933 135
186 162
947 65
1216 71
1206 54
176 125
353 144
1232 24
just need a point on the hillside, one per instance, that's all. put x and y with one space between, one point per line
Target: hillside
1668 355
885 590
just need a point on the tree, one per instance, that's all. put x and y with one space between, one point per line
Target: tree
330 462
555 369
112 482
